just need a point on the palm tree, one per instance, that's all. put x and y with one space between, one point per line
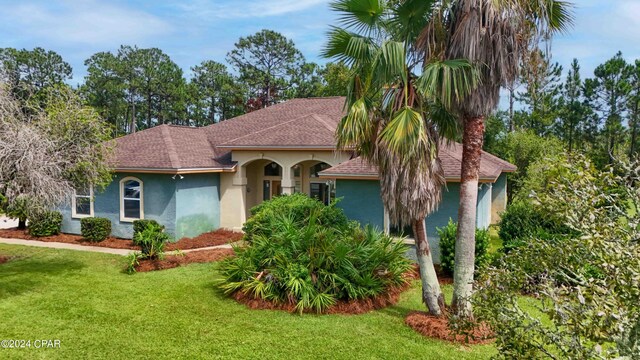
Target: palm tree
494 35
394 116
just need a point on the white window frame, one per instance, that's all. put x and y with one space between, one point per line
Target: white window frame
74 214
124 180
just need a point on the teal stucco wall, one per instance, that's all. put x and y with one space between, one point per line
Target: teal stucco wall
197 204
361 201
159 194
498 198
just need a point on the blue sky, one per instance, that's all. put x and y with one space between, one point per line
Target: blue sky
191 31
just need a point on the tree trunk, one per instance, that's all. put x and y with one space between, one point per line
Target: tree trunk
466 236
22 223
512 126
431 293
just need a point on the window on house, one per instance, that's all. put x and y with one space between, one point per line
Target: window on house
272 169
82 203
313 173
131 199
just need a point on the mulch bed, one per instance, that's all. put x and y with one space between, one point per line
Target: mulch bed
438 328
3 259
214 238
173 261
353 307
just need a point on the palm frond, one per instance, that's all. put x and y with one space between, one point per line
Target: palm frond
365 16
348 47
405 132
448 81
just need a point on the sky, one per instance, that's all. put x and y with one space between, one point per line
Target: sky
191 31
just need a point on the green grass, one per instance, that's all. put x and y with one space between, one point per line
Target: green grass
495 243
84 300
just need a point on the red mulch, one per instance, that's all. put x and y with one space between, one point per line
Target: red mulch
353 307
214 238
4 259
438 328
172 261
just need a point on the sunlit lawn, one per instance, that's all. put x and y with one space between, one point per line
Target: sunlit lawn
84 300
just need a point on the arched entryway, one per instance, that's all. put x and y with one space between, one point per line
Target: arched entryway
307 180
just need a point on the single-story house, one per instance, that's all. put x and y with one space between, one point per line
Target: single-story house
194 180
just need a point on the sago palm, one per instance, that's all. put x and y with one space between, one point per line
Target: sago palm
494 35
395 108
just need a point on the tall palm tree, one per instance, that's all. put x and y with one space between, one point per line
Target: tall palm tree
494 35
394 115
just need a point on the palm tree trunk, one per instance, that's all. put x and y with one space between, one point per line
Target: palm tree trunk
431 293
466 236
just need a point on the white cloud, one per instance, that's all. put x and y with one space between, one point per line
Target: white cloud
82 22
248 9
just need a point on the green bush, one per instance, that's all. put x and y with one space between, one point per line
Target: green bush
95 229
299 207
45 224
523 221
151 240
312 265
140 225
448 246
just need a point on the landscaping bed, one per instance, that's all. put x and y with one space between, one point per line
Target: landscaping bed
3 259
213 238
173 261
438 328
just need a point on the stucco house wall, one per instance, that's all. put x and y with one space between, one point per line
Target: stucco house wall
361 201
197 204
498 198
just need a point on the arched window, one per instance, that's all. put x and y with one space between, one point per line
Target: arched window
272 169
131 199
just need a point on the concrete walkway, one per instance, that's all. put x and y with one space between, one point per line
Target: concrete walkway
99 249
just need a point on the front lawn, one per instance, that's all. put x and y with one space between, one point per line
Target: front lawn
84 300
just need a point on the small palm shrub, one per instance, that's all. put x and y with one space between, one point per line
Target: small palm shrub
313 265
298 207
95 229
151 240
140 225
448 247
46 223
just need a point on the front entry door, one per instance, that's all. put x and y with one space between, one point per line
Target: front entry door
276 188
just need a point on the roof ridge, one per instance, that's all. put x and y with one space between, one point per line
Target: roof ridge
265 129
171 147
323 122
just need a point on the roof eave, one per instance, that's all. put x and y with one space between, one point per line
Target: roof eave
175 171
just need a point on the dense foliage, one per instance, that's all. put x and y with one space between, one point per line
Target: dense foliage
299 208
151 238
141 225
448 245
313 265
45 223
95 229
523 221
587 285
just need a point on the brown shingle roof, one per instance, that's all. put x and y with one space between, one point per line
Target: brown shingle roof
450 154
294 124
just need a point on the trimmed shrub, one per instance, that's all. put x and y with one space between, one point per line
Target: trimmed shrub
448 247
523 221
95 229
310 264
45 224
299 208
140 225
151 240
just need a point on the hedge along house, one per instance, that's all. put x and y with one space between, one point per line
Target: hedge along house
194 180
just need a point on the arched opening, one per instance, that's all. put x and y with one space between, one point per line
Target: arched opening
308 181
271 181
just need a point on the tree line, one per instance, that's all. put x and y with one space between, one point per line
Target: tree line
596 115
137 88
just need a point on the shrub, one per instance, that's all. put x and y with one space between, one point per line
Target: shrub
140 225
151 240
523 221
312 265
95 229
45 223
448 246
299 207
